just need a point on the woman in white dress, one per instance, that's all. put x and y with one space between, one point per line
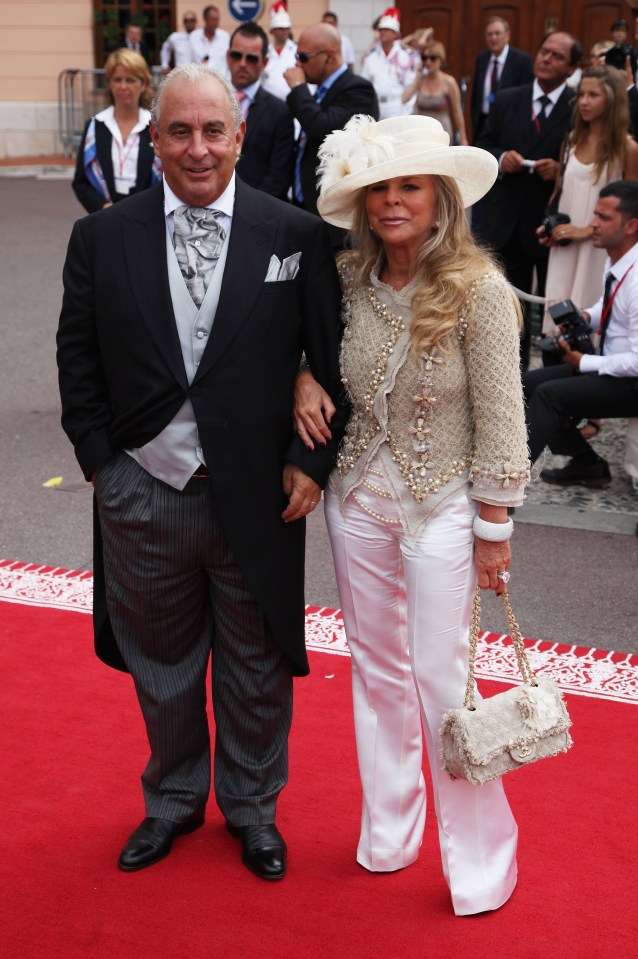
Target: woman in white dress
598 151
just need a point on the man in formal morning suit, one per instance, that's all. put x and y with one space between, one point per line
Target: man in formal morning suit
497 68
340 95
186 311
527 123
267 150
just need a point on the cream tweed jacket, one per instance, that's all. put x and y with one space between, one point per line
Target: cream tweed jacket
433 424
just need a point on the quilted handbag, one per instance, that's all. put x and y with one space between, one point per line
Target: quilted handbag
483 740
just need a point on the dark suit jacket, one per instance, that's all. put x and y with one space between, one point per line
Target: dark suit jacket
632 96
348 95
517 201
86 193
144 51
122 377
267 150
517 70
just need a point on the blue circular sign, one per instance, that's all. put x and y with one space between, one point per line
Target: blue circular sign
245 10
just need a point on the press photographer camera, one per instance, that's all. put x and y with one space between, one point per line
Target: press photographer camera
574 330
547 225
617 55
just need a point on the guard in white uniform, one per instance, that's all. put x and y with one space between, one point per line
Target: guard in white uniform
390 67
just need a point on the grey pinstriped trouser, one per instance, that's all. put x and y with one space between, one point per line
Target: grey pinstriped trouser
174 594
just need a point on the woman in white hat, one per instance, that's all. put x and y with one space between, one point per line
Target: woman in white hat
434 454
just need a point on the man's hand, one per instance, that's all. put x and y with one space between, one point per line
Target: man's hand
573 357
546 168
294 76
512 162
302 492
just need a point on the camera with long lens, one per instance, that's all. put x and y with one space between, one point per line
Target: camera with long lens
574 330
553 220
617 55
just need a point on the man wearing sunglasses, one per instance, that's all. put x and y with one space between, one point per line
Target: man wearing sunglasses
267 150
340 95
176 49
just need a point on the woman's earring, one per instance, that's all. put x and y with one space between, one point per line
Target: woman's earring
436 225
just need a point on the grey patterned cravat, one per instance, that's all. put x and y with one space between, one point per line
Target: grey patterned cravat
198 238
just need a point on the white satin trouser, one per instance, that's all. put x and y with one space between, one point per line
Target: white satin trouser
406 606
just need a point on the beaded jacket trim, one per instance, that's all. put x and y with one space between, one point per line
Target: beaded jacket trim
415 465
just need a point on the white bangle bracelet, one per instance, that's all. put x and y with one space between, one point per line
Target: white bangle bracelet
492 532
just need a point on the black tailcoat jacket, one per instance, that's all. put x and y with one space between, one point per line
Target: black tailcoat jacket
517 201
122 377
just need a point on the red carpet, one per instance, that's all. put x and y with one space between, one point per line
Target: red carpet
73 746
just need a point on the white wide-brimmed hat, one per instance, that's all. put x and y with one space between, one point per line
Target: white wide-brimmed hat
367 151
279 17
390 20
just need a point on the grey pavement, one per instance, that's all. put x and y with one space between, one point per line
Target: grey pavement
575 552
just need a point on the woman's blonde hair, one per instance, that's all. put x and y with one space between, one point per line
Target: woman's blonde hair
612 147
133 63
437 48
448 263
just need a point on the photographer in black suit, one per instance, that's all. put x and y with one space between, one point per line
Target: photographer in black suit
585 385
526 124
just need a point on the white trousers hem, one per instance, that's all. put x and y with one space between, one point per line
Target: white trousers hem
388 860
489 900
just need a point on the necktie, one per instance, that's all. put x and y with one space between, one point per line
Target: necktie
606 312
244 102
541 116
198 239
494 78
320 93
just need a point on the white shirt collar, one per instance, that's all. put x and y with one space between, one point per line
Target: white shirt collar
538 92
502 57
225 203
107 117
620 267
251 91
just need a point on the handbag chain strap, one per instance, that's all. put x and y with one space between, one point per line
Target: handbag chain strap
517 642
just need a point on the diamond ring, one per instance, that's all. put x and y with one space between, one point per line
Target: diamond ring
504 575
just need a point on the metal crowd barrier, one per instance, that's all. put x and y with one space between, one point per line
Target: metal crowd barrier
82 94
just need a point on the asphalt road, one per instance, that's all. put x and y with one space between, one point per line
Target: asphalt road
569 584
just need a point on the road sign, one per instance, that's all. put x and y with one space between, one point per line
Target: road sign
245 10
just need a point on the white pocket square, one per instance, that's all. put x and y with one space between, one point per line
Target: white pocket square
286 269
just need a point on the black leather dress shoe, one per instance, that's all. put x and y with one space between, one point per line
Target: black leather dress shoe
575 473
152 841
263 849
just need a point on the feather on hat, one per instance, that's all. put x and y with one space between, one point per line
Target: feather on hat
367 151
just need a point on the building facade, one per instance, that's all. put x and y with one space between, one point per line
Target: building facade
41 39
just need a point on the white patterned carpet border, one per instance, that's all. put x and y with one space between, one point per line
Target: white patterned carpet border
577 669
